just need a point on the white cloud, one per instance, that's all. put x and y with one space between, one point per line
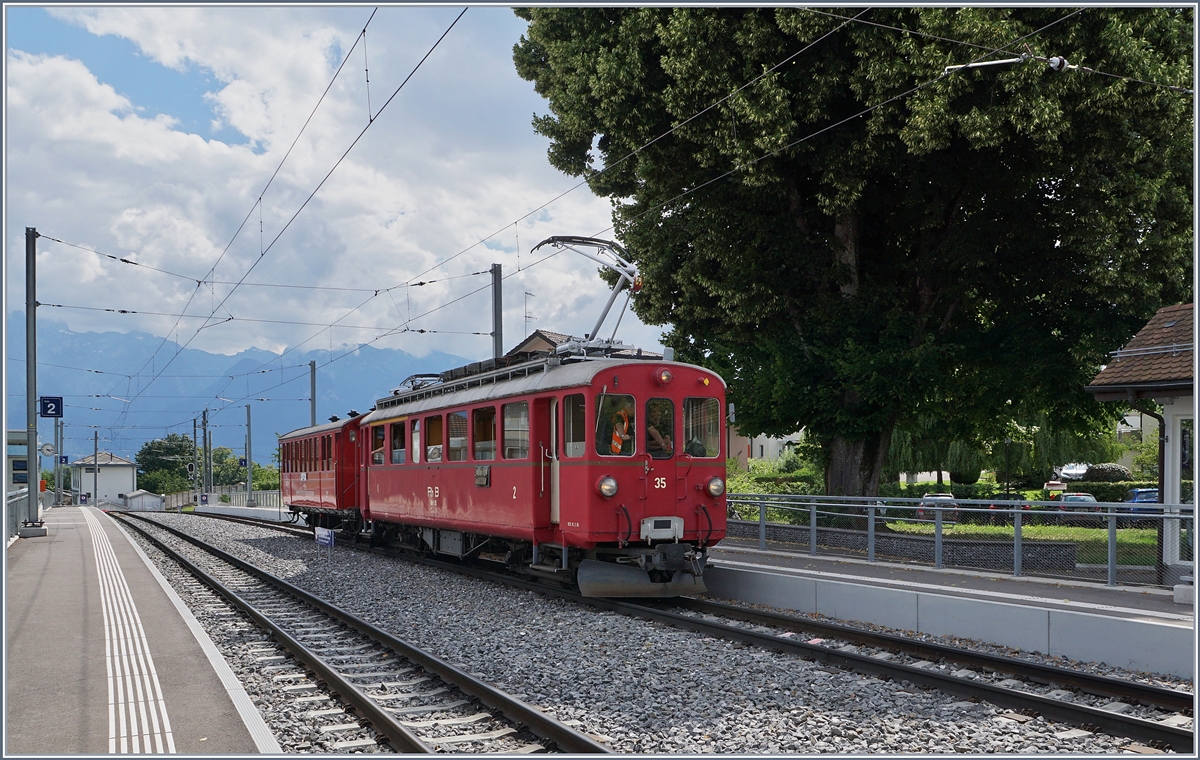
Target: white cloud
452 160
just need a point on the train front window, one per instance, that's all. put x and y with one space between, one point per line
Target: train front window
574 426
377 434
615 426
398 441
660 428
484 434
516 430
702 427
456 437
433 439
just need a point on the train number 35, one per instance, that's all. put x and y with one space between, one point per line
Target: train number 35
660 482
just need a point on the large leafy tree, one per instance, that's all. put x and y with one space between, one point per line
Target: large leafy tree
878 253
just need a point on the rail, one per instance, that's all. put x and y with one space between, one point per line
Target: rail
1112 543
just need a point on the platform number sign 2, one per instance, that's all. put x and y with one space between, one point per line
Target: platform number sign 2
50 406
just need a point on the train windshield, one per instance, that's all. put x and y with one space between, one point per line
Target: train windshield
660 428
702 427
615 425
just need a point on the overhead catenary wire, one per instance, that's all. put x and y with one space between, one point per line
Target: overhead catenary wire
837 124
317 189
977 46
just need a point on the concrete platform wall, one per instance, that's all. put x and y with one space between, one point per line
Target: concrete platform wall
1145 645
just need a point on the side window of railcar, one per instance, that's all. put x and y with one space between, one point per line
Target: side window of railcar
615 425
516 430
377 438
397 443
702 427
660 428
416 441
433 439
456 437
574 426
484 433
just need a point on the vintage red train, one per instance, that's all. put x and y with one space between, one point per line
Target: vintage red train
606 471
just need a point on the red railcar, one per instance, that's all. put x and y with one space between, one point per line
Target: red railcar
319 473
606 470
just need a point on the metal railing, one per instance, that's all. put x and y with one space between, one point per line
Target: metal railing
14 508
1112 543
234 496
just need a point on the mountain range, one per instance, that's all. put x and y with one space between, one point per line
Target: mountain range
91 371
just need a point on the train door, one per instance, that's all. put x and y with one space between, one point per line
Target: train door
658 446
555 435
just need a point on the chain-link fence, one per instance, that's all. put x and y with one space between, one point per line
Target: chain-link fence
1139 544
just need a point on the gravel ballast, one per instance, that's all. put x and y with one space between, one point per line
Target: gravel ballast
637 686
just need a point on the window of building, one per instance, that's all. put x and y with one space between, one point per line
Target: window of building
20 465
574 426
702 427
20 477
378 434
516 430
484 433
456 437
398 443
660 428
433 439
416 441
615 425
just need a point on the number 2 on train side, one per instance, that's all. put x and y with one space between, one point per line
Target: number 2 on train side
514 492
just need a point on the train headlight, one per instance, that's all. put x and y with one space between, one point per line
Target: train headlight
716 487
663 376
608 486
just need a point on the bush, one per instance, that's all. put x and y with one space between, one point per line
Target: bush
965 478
223 498
1107 473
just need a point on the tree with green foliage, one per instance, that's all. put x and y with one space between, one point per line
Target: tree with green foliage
172 455
856 238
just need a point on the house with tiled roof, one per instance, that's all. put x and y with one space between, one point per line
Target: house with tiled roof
104 477
1159 364
1156 363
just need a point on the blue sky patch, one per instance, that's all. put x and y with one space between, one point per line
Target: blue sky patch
151 87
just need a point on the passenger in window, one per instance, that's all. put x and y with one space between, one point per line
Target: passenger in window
660 421
616 418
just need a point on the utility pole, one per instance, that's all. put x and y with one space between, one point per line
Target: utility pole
195 463
95 467
58 470
497 312
205 462
31 411
249 464
312 394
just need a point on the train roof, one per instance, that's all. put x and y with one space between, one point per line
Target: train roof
304 432
528 377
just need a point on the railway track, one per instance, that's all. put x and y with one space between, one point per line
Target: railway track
1155 715
361 682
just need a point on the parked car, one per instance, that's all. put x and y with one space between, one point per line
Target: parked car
1004 517
949 507
1139 495
1142 496
1077 502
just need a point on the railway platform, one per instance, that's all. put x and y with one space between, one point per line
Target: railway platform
103 657
1126 626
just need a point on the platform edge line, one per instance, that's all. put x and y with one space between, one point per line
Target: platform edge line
264 740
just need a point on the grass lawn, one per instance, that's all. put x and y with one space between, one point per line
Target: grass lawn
1135 546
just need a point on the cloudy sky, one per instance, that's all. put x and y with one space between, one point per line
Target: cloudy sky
149 134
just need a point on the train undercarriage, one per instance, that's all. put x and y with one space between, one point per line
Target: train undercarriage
663 569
